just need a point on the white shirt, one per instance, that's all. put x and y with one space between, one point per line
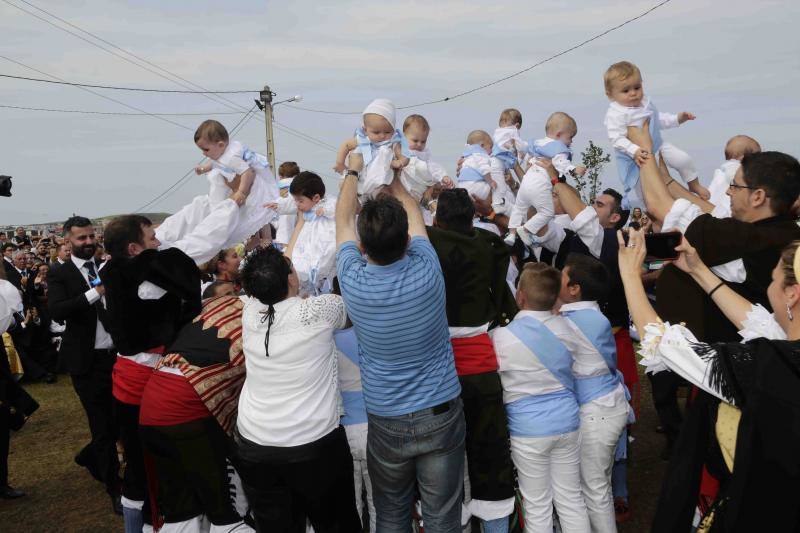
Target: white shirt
619 117
10 303
290 397
507 137
102 340
585 224
720 183
480 162
588 361
522 373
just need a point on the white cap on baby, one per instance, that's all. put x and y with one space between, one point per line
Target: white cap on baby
383 107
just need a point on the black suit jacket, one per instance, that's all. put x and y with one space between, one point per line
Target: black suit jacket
67 303
12 275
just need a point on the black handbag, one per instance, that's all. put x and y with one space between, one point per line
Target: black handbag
5 185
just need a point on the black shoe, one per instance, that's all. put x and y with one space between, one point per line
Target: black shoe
50 378
10 493
116 504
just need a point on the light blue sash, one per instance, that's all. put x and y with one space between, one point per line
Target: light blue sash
506 157
549 150
626 166
547 347
368 148
543 415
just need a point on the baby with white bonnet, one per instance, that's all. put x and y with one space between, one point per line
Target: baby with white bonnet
382 146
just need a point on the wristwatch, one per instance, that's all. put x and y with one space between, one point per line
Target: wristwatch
351 173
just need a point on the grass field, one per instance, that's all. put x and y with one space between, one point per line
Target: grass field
62 496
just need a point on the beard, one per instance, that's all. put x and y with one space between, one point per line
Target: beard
84 252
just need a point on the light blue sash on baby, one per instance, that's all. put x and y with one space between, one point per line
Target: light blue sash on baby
506 157
468 173
629 172
549 150
254 159
368 148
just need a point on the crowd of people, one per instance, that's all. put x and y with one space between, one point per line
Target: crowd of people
445 351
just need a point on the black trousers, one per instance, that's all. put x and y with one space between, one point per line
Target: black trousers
134 481
192 471
5 437
94 391
491 474
665 399
286 484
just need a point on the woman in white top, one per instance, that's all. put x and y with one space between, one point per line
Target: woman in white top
294 457
754 412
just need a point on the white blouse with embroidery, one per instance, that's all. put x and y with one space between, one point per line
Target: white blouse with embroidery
668 346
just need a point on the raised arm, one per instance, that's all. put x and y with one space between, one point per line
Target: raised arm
347 204
416 224
631 258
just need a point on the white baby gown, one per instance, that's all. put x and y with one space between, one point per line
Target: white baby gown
314 254
222 222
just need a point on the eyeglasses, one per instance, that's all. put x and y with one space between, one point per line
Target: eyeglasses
737 186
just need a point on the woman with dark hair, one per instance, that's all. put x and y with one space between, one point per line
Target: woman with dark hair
748 435
224 267
293 454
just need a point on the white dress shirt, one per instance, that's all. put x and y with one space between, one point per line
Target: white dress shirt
619 117
102 340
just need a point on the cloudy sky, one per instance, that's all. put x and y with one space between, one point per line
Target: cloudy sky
735 64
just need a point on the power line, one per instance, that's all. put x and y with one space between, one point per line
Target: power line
98 94
182 180
214 96
304 136
112 87
504 78
120 113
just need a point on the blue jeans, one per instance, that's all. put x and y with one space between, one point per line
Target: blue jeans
425 448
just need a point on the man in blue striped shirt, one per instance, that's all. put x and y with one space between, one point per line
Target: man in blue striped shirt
396 301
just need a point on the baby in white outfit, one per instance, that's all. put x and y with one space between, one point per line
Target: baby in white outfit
421 173
630 107
735 150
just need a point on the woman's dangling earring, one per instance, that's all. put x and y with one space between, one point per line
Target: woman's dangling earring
789 313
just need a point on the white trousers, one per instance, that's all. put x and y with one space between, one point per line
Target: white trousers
600 430
677 159
357 439
548 469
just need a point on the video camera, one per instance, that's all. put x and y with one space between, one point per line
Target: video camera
5 185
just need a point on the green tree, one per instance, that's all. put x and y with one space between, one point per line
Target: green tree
594 159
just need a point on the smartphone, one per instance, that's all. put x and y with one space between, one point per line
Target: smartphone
660 245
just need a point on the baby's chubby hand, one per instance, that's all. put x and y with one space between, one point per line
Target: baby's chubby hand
683 116
271 205
641 157
447 182
580 170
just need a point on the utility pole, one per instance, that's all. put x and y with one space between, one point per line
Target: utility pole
266 105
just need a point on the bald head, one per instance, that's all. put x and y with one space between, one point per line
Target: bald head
741 145
479 137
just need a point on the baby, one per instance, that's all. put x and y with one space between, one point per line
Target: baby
314 251
379 143
476 169
285 224
421 173
630 107
735 150
235 173
536 189
559 131
506 136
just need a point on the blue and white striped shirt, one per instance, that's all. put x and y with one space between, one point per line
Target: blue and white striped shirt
398 312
